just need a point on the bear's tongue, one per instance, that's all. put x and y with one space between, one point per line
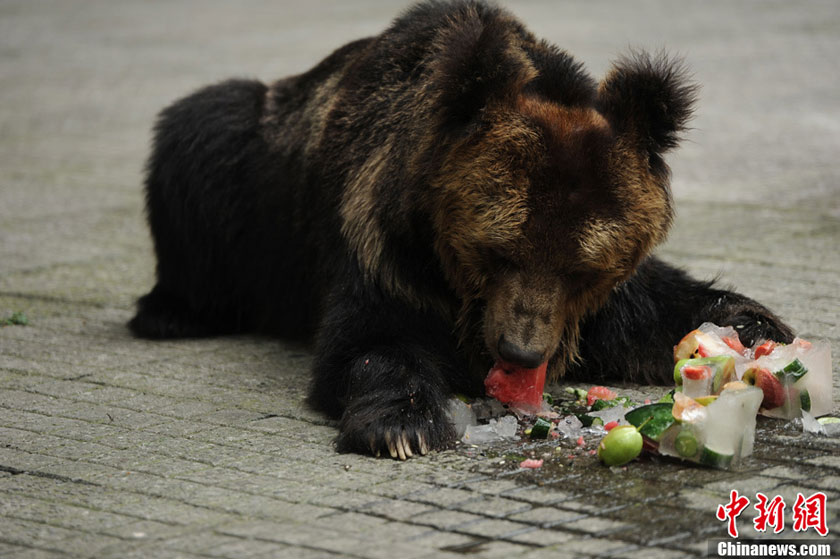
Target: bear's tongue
519 387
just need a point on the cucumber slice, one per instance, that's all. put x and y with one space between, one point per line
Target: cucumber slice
540 428
709 457
805 400
599 404
652 419
792 372
686 443
590 420
578 393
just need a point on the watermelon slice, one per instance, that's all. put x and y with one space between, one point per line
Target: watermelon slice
518 387
599 393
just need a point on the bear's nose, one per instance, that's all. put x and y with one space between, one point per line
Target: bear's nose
516 355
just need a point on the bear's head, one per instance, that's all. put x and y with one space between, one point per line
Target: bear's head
552 189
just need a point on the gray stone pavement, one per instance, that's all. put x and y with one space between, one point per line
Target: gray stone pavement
115 447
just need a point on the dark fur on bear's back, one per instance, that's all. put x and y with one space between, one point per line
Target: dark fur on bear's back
450 192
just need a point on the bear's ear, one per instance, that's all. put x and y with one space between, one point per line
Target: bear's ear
478 60
649 98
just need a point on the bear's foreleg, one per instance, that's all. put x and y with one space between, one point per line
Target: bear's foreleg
633 335
384 369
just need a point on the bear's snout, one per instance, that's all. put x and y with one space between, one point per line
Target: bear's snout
524 319
521 356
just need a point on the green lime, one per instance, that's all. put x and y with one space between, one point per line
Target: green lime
620 445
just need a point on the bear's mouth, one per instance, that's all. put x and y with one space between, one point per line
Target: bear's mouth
514 369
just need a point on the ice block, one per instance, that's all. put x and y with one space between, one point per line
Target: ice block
717 435
709 340
793 377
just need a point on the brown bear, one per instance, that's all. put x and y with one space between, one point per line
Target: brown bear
422 203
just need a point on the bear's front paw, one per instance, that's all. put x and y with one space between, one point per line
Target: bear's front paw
399 425
753 321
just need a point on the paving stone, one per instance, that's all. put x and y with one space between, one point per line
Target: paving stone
59 514
305 553
26 532
785 472
30 553
750 486
547 516
345 500
498 550
370 549
352 522
593 546
444 497
446 519
649 553
596 525
830 461
146 530
538 495
541 538
398 509
296 533
402 488
250 549
493 506
492 486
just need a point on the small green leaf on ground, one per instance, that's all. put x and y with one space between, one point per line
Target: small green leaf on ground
17 319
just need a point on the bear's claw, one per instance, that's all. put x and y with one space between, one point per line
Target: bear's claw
400 446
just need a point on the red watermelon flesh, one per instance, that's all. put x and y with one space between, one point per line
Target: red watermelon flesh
518 387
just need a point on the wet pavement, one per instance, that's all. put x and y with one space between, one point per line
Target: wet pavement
116 447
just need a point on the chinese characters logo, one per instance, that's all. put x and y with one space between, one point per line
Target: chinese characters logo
807 512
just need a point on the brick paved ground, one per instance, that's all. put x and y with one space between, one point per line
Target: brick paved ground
114 447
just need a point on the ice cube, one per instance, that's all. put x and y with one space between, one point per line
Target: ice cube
460 415
570 427
812 392
696 380
817 381
615 413
722 435
722 340
495 430
729 428
811 425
